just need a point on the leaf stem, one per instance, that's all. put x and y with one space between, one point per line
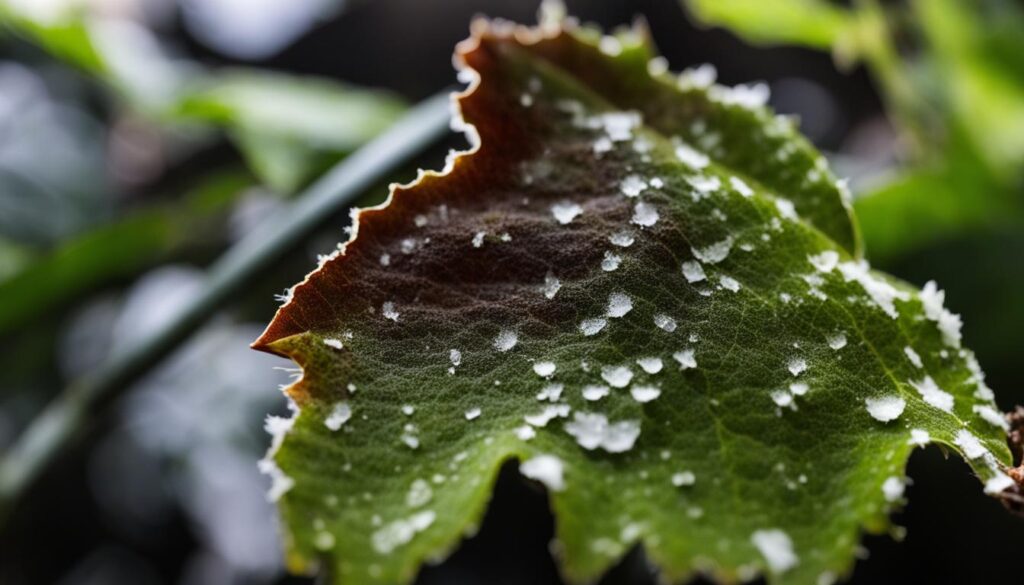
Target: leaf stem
60 421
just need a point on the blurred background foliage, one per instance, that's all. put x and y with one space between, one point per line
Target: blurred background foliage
141 138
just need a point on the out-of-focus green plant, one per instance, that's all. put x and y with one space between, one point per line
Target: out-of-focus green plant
287 128
951 74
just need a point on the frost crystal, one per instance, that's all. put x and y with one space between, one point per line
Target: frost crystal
645 214
455 356
776 548
913 357
389 312
998 483
825 261
617 376
933 395
551 286
622 239
881 292
741 187
645 393
340 414
837 340
594 392
686 359
506 340
544 417
991 416
665 322
729 283
401 531
693 271
632 185
714 253
333 343
651 365
886 408
551 392
972 447
478 239
546 469
544 369
797 366
590 327
919 437
419 494
611 262
619 304
472 413
691 157
593 431
565 211
948 323
683 478
892 488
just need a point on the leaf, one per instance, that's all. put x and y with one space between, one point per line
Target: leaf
813 23
683 357
288 126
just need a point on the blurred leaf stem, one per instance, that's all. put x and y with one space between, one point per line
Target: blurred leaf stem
61 420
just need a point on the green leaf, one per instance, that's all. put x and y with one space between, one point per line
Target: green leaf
288 126
646 291
813 23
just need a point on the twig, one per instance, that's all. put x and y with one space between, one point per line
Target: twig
54 428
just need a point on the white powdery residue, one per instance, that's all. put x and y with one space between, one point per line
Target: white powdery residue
971 445
590 327
776 548
551 392
686 359
277 427
919 437
691 157
610 262
506 340
617 376
825 261
665 322
544 417
881 292
546 469
622 239
618 305
594 392
385 259
551 286
991 416
693 271
645 214
593 431
455 356
786 209
714 253
913 357
544 369
892 488
933 395
408 409
340 414
998 483
797 366
402 531
472 413
651 365
741 187
644 394
419 494
389 312
333 343
798 388
683 478
948 323
885 408
632 185
565 211
729 283
478 239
